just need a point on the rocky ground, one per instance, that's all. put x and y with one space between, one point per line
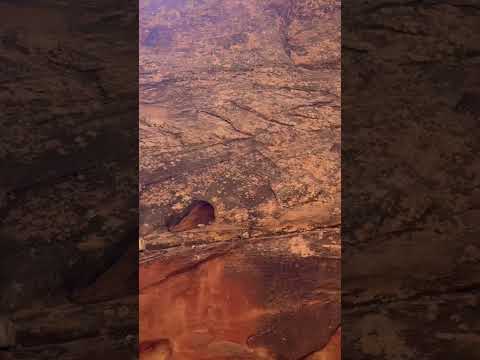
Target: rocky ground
240 107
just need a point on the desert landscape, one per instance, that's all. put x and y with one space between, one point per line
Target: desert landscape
239 179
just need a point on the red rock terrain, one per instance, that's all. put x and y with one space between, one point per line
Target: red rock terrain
240 108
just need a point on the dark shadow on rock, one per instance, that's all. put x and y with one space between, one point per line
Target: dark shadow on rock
199 212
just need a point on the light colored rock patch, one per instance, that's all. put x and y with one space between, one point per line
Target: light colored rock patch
300 247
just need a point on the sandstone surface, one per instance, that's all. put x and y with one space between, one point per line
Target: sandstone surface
240 107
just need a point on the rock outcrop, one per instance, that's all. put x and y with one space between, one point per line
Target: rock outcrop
240 108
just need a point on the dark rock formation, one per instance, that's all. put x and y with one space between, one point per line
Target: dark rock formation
68 184
198 214
410 76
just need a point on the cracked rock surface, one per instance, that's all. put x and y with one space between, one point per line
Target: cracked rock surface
240 107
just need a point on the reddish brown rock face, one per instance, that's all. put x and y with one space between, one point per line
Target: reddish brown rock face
240 107
274 298
200 310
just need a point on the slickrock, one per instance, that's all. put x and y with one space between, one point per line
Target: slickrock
240 108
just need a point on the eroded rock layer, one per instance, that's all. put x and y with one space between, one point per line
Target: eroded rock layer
240 108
